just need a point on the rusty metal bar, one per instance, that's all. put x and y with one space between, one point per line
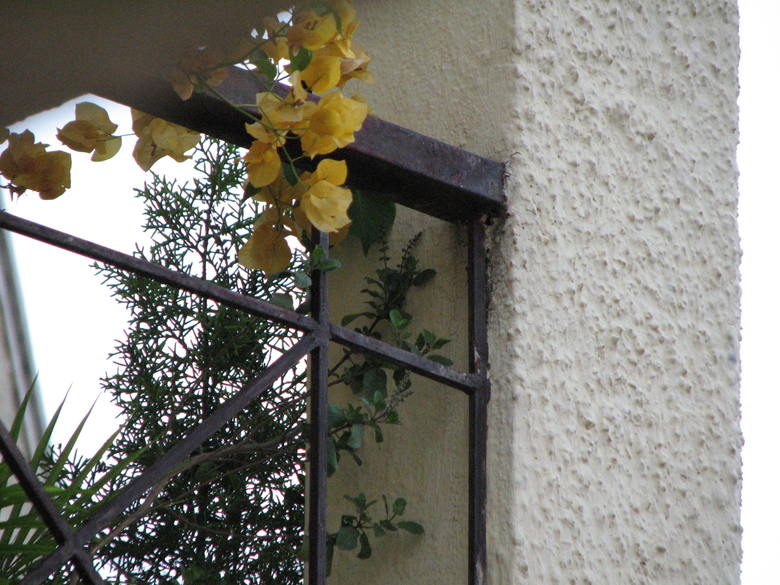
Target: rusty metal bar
403 166
174 457
45 506
467 383
156 272
478 360
318 410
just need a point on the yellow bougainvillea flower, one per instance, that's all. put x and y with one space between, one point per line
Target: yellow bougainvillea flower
276 44
311 31
262 164
203 64
332 171
280 193
284 113
298 95
346 12
262 133
324 203
92 131
266 249
302 224
333 124
28 166
323 71
158 138
356 68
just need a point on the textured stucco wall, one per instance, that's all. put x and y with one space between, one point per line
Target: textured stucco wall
614 438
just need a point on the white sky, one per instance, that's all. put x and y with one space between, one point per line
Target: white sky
74 323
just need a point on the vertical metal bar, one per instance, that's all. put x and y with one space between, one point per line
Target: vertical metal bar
478 356
318 410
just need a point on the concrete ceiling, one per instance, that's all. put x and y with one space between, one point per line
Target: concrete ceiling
53 52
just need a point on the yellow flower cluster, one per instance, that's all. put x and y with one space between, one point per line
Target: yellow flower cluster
28 165
313 53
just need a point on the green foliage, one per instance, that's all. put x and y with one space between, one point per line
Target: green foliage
233 512
72 482
371 216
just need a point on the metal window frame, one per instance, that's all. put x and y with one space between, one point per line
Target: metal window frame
408 168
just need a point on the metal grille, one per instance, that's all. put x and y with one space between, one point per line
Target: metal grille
413 170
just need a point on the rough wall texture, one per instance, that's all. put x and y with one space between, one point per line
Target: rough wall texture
614 446
618 272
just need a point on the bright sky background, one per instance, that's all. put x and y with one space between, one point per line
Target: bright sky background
74 323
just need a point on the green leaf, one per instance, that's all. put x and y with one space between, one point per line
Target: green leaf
372 217
399 506
355 437
439 343
262 61
392 417
300 60
333 457
317 254
329 548
412 527
336 416
289 174
440 359
379 437
328 265
250 191
397 319
378 530
375 380
423 277
365 547
302 280
347 319
347 538
387 525
282 300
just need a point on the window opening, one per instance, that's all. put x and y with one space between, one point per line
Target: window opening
410 169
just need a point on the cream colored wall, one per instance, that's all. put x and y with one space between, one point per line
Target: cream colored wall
614 424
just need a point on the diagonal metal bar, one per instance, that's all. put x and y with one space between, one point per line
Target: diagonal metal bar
318 410
174 457
156 272
406 167
43 504
467 383
33 488
46 507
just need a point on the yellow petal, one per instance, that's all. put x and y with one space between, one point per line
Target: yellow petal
106 149
266 249
79 135
97 116
326 206
332 171
311 31
322 73
262 164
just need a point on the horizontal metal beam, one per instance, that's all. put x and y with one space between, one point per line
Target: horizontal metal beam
403 166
